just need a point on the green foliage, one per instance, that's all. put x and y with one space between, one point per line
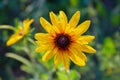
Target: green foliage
71 75
19 58
7 27
101 9
74 3
115 16
108 47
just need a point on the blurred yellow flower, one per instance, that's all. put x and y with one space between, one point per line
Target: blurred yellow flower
64 40
20 33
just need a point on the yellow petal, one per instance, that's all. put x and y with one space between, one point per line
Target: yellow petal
88 49
58 58
45 42
81 62
65 60
44 45
83 27
13 39
55 21
77 60
56 30
86 39
41 37
78 53
68 30
63 19
75 19
41 48
26 25
49 54
45 24
81 55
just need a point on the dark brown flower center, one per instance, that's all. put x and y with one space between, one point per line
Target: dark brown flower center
62 41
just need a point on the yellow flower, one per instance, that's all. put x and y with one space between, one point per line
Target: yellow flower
20 33
64 40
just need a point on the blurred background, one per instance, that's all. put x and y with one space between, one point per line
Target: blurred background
105 18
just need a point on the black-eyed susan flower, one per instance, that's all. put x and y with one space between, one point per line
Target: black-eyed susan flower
64 39
20 32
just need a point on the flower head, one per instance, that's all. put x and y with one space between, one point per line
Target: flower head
20 33
64 39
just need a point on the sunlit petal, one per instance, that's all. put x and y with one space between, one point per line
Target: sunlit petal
41 48
65 60
45 24
55 22
88 49
13 39
54 19
63 19
49 54
86 39
26 25
83 27
77 51
58 58
77 60
41 36
75 19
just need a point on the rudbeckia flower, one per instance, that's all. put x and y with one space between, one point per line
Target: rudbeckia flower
20 32
64 40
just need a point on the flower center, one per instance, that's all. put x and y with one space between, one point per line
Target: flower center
62 41
21 33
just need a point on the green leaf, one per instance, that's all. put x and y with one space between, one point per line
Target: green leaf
101 9
91 11
62 75
27 69
108 47
44 77
19 58
74 75
74 3
31 41
115 19
115 16
7 27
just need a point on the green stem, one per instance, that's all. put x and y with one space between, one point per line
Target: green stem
7 27
68 74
